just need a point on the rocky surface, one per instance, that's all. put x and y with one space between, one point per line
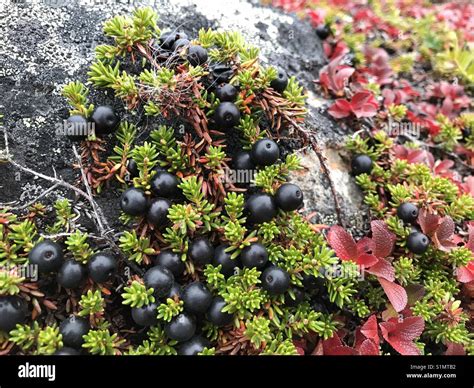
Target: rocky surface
45 44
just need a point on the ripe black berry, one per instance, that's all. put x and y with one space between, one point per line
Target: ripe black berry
313 283
298 293
226 92
175 292
132 168
180 43
72 330
159 278
197 55
323 31
361 164
280 82
194 346
197 298
215 314
158 212
417 242
243 161
223 258
13 311
255 255
170 260
134 202
78 128
71 274
289 197
275 280
407 212
181 328
260 208
201 251
102 267
222 73
167 39
47 255
65 351
146 315
265 152
227 115
105 120
165 185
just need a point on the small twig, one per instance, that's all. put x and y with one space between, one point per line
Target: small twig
33 201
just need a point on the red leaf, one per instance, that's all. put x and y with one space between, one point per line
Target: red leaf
340 109
368 261
396 294
383 269
334 77
400 335
466 274
428 222
383 238
364 104
342 243
369 329
369 348
444 234
455 350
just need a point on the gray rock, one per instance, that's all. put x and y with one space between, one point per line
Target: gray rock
45 44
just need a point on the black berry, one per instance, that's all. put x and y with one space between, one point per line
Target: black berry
222 73
77 127
298 293
197 298
243 161
170 260
181 328
72 330
65 351
227 115
289 197
201 251
417 242
215 314
260 208
275 280
13 311
165 185
407 212
105 120
47 255
102 267
180 43
226 92
323 31
223 258
167 39
197 55
361 164
255 255
175 292
280 82
157 213
71 274
194 346
265 152
134 202
132 168
159 278
145 315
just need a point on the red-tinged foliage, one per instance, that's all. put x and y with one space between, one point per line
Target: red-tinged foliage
465 274
396 294
334 77
410 155
362 104
378 65
371 253
454 349
439 229
400 334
